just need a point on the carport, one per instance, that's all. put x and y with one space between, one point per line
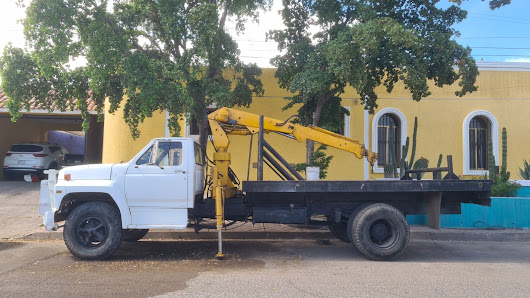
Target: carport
35 125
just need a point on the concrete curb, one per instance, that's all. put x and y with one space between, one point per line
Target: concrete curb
417 234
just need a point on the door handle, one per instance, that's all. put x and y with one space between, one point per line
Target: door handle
180 171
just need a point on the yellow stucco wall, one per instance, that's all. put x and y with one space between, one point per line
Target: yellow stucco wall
118 144
505 94
27 130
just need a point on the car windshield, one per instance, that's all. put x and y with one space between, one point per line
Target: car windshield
26 148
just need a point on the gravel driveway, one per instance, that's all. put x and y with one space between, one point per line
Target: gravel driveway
19 208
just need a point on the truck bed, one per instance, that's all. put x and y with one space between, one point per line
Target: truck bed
410 196
368 186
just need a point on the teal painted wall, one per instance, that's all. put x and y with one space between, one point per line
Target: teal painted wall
503 213
524 192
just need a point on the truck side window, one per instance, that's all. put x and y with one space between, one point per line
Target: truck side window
199 157
145 157
175 154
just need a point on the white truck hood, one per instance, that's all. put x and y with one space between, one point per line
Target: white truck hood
87 172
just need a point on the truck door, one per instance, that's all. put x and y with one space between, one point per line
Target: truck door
159 177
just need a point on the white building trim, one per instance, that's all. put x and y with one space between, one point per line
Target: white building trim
403 127
166 125
494 130
366 143
347 122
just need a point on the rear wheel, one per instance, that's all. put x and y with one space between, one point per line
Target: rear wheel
93 231
379 232
133 235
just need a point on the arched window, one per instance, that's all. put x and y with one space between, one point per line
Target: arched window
479 127
479 134
388 138
385 122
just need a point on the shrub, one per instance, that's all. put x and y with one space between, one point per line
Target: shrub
504 188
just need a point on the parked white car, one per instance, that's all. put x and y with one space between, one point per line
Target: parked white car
32 159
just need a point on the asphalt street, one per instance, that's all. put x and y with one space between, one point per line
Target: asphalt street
31 266
266 268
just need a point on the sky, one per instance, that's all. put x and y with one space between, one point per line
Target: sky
495 36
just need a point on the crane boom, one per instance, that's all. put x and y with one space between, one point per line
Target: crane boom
231 121
227 121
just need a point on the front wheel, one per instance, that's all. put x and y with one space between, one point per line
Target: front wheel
93 231
379 232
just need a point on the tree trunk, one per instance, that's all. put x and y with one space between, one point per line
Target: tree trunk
310 145
202 123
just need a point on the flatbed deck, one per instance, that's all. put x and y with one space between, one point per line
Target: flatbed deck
367 186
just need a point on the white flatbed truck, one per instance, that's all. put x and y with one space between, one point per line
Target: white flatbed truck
167 186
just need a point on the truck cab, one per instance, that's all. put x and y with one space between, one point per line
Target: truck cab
152 191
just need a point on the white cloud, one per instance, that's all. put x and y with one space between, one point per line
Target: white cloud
252 42
11 31
525 60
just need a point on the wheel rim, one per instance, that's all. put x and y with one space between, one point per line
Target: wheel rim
383 233
91 232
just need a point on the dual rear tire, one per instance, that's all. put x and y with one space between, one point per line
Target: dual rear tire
378 231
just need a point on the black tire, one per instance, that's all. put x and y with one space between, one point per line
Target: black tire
133 235
379 232
9 176
93 231
340 231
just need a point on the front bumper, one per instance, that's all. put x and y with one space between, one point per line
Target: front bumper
47 204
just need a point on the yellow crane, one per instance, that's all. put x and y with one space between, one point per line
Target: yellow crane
227 121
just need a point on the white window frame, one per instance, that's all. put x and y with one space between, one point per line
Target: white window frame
403 130
187 127
347 122
494 131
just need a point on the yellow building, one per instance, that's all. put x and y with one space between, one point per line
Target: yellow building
447 125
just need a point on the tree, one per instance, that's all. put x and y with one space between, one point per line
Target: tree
172 55
329 44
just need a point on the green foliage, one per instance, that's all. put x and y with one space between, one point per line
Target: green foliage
503 188
173 55
319 159
493 3
328 45
524 172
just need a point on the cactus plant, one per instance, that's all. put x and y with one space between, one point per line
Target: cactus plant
505 176
525 171
389 171
393 150
404 152
438 175
491 160
421 163
413 152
